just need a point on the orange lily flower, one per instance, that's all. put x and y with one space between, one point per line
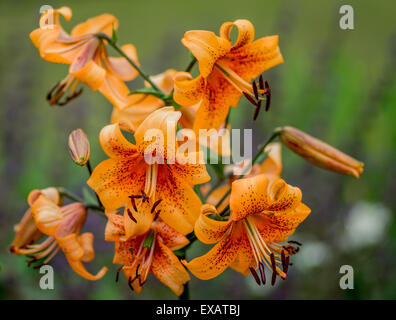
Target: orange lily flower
126 179
150 252
62 225
226 70
87 57
131 117
27 231
264 214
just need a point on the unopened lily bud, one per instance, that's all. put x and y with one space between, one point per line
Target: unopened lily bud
79 147
319 153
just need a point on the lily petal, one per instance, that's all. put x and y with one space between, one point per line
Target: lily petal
114 227
272 166
206 47
249 196
168 269
245 32
47 215
121 67
245 258
170 237
218 96
252 59
85 69
209 230
143 219
193 172
180 205
111 180
114 143
102 23
278 226
188 91
215 261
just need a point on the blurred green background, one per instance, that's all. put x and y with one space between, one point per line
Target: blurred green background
339 85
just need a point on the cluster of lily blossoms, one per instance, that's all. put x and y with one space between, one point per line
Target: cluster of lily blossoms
156 209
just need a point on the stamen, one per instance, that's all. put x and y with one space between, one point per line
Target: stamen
157 214
134 204
255 90
251 100
255 276
274 273
256 113
284 264
261 82
58 89
268 94
130 284
118 274
131 215
262 272
155 205
295 242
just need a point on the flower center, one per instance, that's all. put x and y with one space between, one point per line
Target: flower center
143 259
253 93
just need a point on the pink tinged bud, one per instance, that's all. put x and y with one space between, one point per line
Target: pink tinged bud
79 147
320 153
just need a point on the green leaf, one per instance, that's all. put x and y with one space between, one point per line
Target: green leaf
114 36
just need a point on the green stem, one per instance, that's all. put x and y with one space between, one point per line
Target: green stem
131 62
186 292
68 194
254 160
89 167
191 65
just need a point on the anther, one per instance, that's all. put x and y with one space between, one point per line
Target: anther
255 90
155 205
118 274
131 215
262 272
284 262
157 214
295 242
268 94
255 276
251 100
274 273
130 284
256 113
29 262
134 204
261 82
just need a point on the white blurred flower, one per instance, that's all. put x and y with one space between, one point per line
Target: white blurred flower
365 225
311 254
